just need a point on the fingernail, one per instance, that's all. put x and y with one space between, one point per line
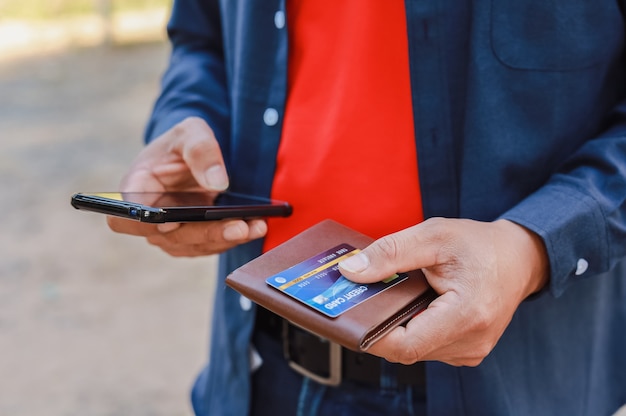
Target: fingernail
166 227
356 263
233 232
258 228
216 178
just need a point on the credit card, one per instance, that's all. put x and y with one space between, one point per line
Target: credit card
317 282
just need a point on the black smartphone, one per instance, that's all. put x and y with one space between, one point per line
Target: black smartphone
158 207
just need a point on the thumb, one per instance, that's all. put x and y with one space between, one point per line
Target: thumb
399 252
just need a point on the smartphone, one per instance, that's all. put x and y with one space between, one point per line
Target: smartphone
159 207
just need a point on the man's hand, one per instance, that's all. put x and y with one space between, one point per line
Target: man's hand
185 158
482 272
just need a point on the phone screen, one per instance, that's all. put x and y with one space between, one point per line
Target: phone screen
185 199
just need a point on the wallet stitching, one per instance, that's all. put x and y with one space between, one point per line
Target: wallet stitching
397 318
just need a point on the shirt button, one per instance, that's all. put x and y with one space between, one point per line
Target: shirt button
279 19
270 117
581 267
245 303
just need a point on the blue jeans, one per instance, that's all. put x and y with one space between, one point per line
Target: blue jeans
278 390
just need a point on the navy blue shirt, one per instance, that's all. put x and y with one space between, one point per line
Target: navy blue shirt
520 113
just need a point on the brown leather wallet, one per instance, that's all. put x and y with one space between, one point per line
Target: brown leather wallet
357 328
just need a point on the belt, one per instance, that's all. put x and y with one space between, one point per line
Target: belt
327 362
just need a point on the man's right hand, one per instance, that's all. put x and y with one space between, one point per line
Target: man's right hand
185 158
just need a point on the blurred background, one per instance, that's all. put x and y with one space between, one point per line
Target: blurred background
91 322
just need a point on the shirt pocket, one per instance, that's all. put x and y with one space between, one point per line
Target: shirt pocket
554 35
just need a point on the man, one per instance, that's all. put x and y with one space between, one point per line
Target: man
506 120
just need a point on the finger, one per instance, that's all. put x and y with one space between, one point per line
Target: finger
429 332
409 249
448 331
185 156
131 227
258 229
196 144
188 241
141 180
453 332
220 233
168 227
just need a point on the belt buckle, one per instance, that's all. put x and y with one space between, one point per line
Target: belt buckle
334 362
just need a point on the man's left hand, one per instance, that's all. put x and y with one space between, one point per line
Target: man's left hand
482 271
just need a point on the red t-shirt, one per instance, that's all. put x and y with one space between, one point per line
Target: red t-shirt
347 150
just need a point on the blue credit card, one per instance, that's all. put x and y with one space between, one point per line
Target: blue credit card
318 283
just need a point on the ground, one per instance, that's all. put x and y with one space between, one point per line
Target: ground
91 322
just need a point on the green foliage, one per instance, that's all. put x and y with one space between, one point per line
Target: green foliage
50 9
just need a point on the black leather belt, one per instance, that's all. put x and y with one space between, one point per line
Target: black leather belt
329 363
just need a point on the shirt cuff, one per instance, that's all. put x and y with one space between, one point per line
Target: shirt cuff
573 229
